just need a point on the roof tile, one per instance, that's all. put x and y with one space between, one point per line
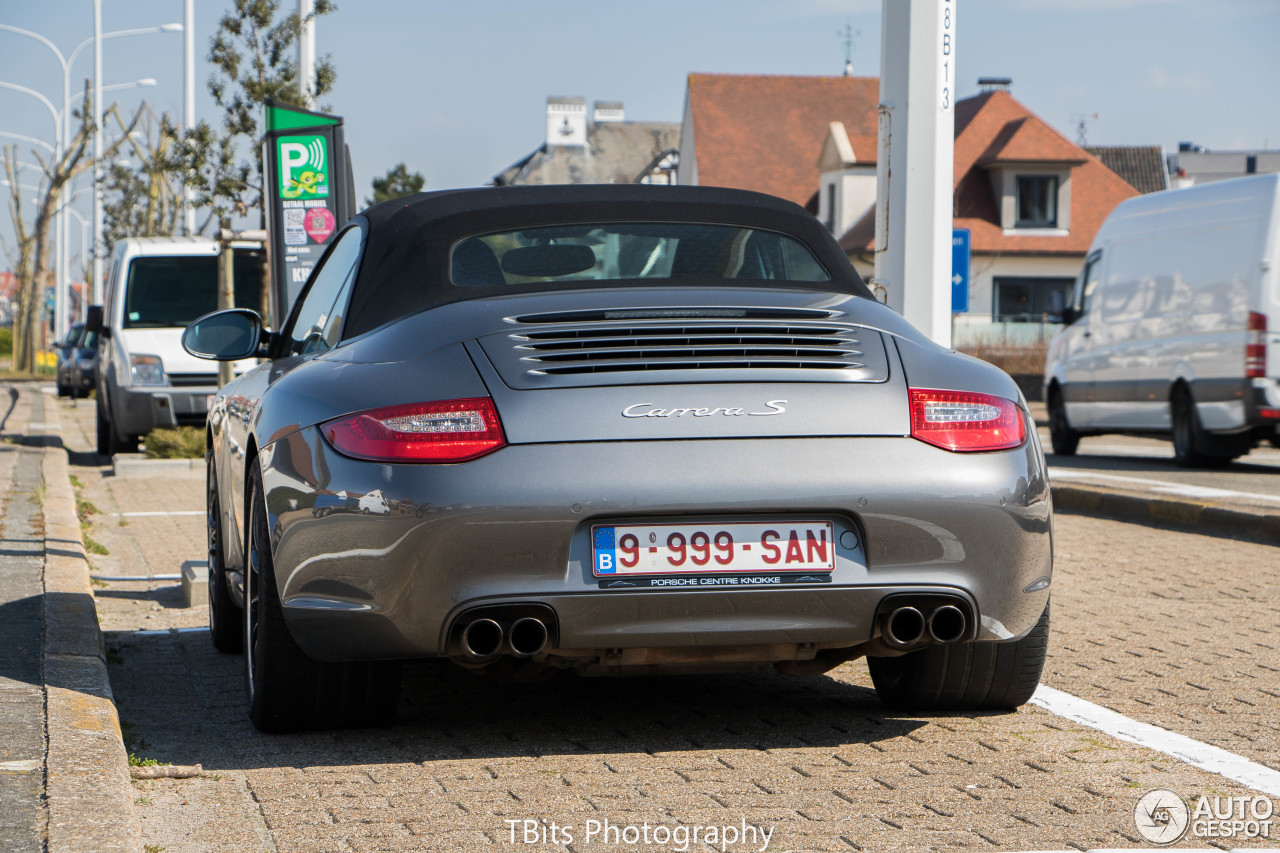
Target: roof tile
765 132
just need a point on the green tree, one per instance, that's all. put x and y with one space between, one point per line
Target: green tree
253 54
399 182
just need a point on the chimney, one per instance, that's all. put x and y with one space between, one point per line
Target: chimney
567 122
607 111
992 84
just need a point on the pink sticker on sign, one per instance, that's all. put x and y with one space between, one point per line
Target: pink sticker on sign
319 223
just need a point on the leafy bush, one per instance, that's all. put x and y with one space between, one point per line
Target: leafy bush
182 443
6 341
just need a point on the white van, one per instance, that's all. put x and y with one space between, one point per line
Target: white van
155 287
1174 325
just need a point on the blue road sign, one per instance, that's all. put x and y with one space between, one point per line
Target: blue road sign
959 270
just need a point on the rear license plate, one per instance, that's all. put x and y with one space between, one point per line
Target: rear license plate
694 549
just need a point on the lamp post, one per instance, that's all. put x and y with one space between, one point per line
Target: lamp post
64 133
62 126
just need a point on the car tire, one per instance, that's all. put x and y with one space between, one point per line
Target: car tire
1064 440
63 389
107 443
1190 441
225 616
287 690
969 676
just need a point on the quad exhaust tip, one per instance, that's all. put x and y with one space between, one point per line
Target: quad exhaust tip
483 639
946 624
904 626
528 637
907 626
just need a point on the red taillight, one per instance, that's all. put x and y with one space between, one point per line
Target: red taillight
1255 345
965 421
445 431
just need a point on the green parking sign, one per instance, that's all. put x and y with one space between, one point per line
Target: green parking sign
303 166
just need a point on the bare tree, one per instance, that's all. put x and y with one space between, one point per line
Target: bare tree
35 273
143 200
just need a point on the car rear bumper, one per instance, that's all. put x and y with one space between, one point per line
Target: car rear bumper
514 528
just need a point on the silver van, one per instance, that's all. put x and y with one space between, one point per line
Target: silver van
1174 325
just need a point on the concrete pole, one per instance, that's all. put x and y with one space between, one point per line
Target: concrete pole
916 161
96 287
188 102
307 53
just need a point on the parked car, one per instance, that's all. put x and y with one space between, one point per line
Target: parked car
155 287
656 428
84 365
1173 324
65 354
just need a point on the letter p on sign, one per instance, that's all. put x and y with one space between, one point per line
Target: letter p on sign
292 156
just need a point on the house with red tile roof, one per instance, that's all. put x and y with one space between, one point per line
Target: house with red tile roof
1031 199
769 133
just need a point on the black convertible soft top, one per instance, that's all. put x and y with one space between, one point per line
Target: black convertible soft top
405 266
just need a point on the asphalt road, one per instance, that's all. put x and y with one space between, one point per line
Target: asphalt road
1174 629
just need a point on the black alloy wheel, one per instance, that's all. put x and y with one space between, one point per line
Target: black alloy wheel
967 676
287 690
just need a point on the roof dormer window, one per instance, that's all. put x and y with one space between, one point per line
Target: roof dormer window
1037 201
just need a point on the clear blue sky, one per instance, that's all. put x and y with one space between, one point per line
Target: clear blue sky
457 90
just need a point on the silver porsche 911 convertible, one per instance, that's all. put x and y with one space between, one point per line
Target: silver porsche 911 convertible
612 430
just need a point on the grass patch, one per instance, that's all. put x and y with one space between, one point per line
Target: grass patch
135 761
75 483
97 582
85 510
37 494
182 443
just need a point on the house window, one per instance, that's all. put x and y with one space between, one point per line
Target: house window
1037 201
1030 300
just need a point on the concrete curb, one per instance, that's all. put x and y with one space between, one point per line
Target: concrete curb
1187 515
89 796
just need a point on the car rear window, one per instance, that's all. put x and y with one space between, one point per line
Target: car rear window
166 291
670 251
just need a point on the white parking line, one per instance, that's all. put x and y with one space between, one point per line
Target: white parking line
1193 752
160 513
1162 486
123 578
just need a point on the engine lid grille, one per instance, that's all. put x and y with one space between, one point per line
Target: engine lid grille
684 347
632 351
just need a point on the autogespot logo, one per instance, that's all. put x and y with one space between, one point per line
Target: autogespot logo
1161 816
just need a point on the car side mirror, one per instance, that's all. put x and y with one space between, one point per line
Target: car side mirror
224 335
93 319
1069 315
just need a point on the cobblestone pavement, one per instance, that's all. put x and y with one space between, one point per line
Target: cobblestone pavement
1170 628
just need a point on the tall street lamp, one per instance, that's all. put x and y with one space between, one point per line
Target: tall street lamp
64 133
62 128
